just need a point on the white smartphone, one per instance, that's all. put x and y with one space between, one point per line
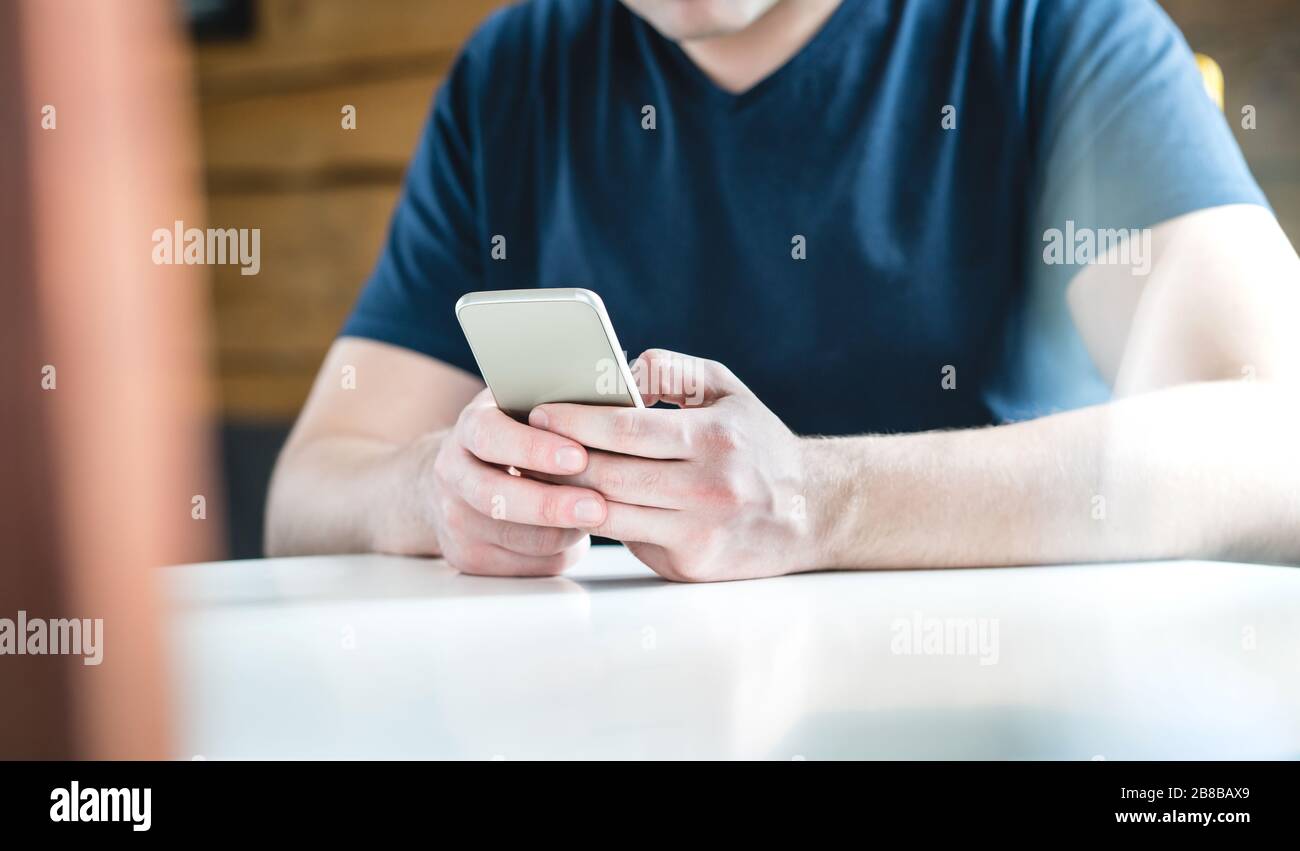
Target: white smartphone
546 345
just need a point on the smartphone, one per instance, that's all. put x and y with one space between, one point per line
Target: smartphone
546 345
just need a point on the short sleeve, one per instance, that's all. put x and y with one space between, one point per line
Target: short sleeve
431 255
1126 134
1123 136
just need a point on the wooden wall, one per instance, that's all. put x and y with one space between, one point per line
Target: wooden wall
277 157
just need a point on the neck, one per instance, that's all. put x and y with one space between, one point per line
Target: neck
736 61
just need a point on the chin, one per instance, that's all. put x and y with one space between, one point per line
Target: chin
684 20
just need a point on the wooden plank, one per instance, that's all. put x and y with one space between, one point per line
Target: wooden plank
266 395
317 248
302 132
295 42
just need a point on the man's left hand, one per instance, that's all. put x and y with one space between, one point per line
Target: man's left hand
712 490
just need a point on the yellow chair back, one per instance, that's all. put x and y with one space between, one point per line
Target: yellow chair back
1212 76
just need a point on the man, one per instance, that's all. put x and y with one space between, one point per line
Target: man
1008 247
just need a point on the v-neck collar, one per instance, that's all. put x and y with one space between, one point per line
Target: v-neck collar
837 27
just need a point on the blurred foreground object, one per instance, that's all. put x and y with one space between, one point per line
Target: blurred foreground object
103 444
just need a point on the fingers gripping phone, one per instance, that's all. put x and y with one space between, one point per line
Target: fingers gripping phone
546 345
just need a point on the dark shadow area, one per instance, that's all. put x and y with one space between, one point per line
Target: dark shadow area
248 452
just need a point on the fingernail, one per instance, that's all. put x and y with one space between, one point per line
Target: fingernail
569 458
587 510
538 418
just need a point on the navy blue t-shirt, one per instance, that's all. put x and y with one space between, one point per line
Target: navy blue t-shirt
863 223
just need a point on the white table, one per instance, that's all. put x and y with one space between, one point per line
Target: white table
373 656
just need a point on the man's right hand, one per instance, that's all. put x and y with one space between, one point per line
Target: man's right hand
397 452
491 522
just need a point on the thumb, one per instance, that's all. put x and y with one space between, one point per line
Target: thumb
683 380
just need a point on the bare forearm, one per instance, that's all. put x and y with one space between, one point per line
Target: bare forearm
1201 470
349 494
